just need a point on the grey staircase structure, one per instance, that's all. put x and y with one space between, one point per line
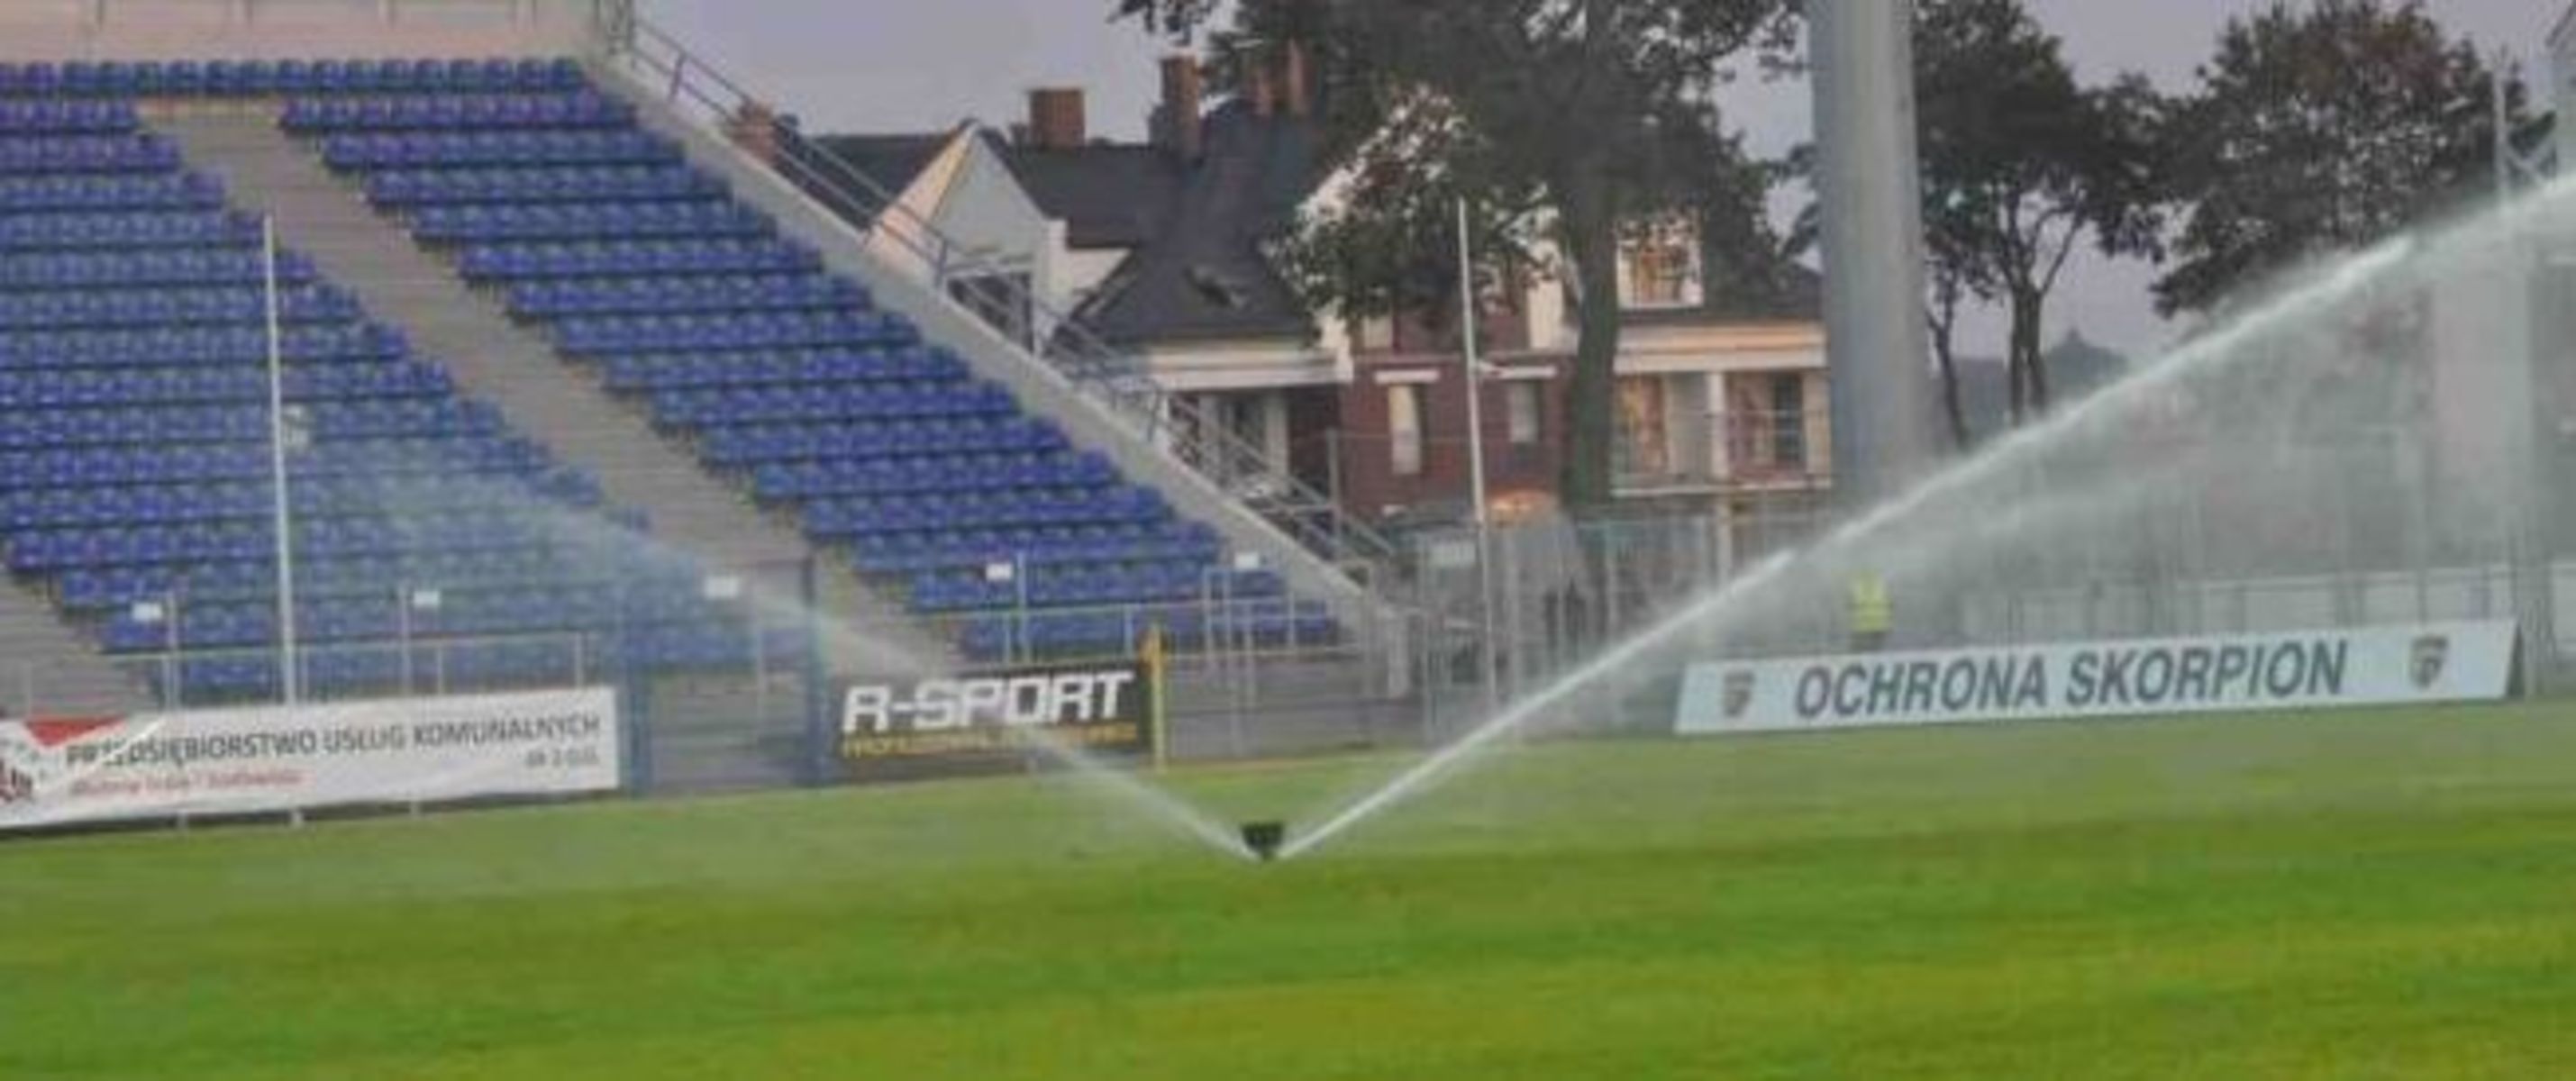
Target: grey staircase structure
1040 388
563 407
48 669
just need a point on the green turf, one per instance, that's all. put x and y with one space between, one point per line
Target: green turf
2356 895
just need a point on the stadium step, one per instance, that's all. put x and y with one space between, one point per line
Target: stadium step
49 670
493 358
1038 388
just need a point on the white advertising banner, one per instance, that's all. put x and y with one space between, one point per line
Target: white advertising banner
235 761
2370 666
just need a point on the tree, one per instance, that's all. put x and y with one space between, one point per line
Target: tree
1568 119
2321 128
2020 167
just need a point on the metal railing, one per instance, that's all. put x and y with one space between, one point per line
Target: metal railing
183 676
1113 376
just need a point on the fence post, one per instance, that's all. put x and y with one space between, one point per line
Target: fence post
818 697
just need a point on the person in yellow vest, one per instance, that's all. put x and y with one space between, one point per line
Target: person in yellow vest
1870 612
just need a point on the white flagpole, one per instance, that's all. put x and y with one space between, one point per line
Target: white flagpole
287 667
1476 463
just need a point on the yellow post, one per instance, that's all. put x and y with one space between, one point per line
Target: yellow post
1155 664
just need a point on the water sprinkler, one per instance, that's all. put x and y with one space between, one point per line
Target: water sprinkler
1262 839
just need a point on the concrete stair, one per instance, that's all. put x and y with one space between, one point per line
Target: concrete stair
1040 389
47 669
515 368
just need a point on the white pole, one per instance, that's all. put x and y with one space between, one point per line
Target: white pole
2503 133
281 516
1476 462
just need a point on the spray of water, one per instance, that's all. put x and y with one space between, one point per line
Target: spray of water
1991 492
882 655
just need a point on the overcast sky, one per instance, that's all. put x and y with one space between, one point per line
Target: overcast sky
910 65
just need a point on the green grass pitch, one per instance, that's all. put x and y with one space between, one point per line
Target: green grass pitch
2336 896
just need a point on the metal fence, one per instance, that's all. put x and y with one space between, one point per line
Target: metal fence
1562 592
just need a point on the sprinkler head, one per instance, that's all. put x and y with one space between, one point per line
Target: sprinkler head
1263 839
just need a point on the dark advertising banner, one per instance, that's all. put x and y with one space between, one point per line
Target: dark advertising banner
984 719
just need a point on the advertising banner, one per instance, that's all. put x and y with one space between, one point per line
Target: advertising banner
999 716
2371 666
265 759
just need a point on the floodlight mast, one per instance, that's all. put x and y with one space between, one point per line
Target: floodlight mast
1876 345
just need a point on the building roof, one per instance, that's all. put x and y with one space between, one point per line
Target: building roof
1202 273
889 161
1109 195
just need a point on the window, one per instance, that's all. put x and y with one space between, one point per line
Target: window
1788 421
1659 273
1641 448
1520 412
1404 429
1375 333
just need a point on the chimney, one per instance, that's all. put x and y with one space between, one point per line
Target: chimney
754 128
1296 89
1055 118
1179 130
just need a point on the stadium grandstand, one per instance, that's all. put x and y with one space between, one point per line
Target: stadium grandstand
559 383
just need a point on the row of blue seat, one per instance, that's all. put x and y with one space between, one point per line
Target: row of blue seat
54 155
161 347
612 335
848 401
452 112
448 149
171 305
512 262
128 229
1042 545
337 419
48 388
1068 585
847 518
784 367
760 444
407 188
952 473
345 497
46 116
186 463
54 550
97 589
164 191
695 293
529 610
149 267
698 218
190 78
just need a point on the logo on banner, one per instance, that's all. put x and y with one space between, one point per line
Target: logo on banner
18 765
1738 693
2427 657
32 758
1099 708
